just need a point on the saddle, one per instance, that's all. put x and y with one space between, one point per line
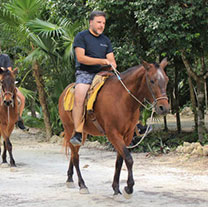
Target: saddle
95 87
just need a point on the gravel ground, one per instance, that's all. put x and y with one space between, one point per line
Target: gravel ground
171 180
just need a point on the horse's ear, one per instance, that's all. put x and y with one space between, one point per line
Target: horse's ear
15 71
164 63
146 65
2 70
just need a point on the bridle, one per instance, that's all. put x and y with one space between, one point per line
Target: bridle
152 106
134 97
164 96
4 93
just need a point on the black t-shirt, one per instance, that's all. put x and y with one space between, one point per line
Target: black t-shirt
96 47
5 61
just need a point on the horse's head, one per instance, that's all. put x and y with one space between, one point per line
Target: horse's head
8 89
157 81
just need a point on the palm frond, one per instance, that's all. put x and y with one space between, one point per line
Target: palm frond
22 8
44 28
27 93
8 18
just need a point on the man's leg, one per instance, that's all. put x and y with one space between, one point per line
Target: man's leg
22 102
21 97
77 112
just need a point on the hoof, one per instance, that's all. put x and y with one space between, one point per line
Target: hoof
118 197
4 165
126 195
84 191
70 185
13 169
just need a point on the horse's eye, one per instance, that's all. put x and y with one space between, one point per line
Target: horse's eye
151 81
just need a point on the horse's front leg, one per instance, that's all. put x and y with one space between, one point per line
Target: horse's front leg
120 147
118 166
4 160
128 190
9 148
75 160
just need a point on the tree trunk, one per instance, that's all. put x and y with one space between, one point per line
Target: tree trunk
178 120
32 109
165 123
201 108
200 79
193 102
42 99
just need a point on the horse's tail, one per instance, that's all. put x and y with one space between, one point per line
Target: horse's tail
65 144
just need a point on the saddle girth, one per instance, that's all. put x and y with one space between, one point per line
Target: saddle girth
92 117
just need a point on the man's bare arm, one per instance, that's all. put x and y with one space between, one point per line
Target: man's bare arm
82 58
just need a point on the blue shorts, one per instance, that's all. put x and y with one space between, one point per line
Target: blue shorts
84 77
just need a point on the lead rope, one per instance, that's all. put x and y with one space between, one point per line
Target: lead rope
144 135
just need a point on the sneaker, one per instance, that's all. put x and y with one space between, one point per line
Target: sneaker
21 125
142 129
76 140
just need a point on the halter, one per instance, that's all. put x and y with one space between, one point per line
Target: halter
134 97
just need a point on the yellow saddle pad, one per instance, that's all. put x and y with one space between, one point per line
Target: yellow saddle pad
69 98
97 83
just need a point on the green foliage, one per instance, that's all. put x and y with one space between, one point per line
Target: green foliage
35 122
100 139
158 141
145 28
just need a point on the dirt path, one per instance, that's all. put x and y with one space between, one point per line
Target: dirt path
39 179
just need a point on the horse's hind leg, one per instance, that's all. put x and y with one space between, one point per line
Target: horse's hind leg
70 172
115 185
75 160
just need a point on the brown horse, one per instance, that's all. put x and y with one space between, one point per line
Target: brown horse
8 111
117 110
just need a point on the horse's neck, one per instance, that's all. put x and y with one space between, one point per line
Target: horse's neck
135 82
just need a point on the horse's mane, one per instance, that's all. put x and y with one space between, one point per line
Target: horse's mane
138 67
129 70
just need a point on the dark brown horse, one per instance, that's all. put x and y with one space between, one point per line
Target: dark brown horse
117 110
8 111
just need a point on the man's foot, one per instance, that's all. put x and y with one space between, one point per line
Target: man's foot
142 129
76 140
21 125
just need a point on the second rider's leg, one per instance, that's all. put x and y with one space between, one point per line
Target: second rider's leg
20 109
22 102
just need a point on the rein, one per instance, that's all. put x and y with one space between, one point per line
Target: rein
152 106
144 135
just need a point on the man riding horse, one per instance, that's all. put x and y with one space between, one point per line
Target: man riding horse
5 62
93 50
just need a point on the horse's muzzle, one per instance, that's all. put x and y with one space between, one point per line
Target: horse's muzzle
7 102
162 109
